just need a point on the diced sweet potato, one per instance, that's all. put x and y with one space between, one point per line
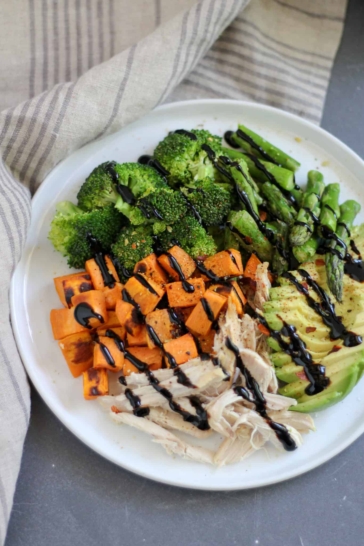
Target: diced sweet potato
199 321
107 355
178 297
185 262
128 317
95 273
64 324
233 293
95 383
183 313
150 267
139 339
112 320
164 327
113 295
78 350
251 267
119 330
206 342
68 286
181 349
145 292
96 300
226 263
152 357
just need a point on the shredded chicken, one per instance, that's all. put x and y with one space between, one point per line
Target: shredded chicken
228 413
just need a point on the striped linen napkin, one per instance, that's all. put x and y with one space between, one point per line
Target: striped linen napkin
73 72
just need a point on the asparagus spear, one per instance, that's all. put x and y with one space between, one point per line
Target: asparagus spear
241 181
277 203
280 262
306 252
284 177
335 263
304 224
241 164
255 144
249 235
330 210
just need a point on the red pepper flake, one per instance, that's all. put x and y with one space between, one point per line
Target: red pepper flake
263 329
305 285
133 246
301 375
319 262
310 329
114 409
248 240
263 215
335 349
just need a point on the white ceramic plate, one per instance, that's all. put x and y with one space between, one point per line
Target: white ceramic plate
33 296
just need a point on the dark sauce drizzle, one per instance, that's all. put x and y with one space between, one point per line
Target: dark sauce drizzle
187 287
325 309
296 349
143 281
151 162
241 134
200 420
83 313
100 260
257 398
188 134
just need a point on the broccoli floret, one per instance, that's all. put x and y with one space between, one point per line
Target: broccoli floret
190 235
98 190
212 202
184 158
133 244
71 226
165 205
141 181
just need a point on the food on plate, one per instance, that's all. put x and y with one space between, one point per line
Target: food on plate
216 295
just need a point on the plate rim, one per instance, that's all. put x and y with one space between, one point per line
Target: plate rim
63 416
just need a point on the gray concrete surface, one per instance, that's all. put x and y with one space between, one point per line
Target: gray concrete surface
68 495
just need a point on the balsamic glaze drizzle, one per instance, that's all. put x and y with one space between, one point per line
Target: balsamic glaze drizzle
188 134
100 260
253 394
187 287
206 307
83 313
200 420
325 309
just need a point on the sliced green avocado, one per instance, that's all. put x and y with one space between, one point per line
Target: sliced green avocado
342 383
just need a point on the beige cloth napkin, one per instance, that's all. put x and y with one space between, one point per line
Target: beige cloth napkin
74 71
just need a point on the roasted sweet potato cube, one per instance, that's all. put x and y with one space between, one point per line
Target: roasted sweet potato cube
178 297
165 328
152 357
181 349
233 293
112 295
183 313
176 255
251 267
205 313
150 267
138 340
95 272
64 324
95 383
112 320
128 317
97 302
78 350
68 286
206 342
107 355
145 292
118 330
226 263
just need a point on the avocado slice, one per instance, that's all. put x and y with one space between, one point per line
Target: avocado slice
342 383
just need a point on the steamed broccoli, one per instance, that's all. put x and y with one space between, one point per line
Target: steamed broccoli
184 157
71 226
98 190
166 205
140 181
133 244
212 201
192 237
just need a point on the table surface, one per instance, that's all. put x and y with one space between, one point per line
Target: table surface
66 494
